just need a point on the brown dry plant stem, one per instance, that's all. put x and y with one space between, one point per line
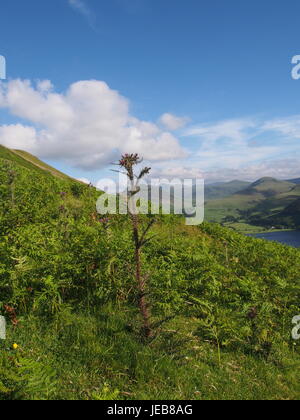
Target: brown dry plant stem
128 162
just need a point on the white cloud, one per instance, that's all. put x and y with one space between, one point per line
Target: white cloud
88 126
179 172
289 126
172 122
278 168
247 148
236 130
81 7
17 136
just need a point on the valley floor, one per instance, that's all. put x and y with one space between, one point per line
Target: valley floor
251 229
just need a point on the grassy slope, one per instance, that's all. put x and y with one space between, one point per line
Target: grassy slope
208 278
30 162
93 356
10 155
37 162
96 355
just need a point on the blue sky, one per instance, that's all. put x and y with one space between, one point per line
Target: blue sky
197 87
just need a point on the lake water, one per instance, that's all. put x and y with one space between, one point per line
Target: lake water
291 238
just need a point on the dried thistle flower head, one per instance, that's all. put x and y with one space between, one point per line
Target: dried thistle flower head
127 161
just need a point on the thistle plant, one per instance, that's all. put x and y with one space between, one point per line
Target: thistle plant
127 163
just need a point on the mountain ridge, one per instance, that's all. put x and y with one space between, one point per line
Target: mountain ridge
260 204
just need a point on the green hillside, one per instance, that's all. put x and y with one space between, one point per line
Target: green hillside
42 165
8 154
221 303
224 189
256 205
295 181
30 162
290 216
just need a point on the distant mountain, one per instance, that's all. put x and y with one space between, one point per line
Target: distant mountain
212 191
259 204
268 187
224 189
295 181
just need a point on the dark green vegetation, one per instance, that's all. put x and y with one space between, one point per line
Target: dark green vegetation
265 204
290 216
227 301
